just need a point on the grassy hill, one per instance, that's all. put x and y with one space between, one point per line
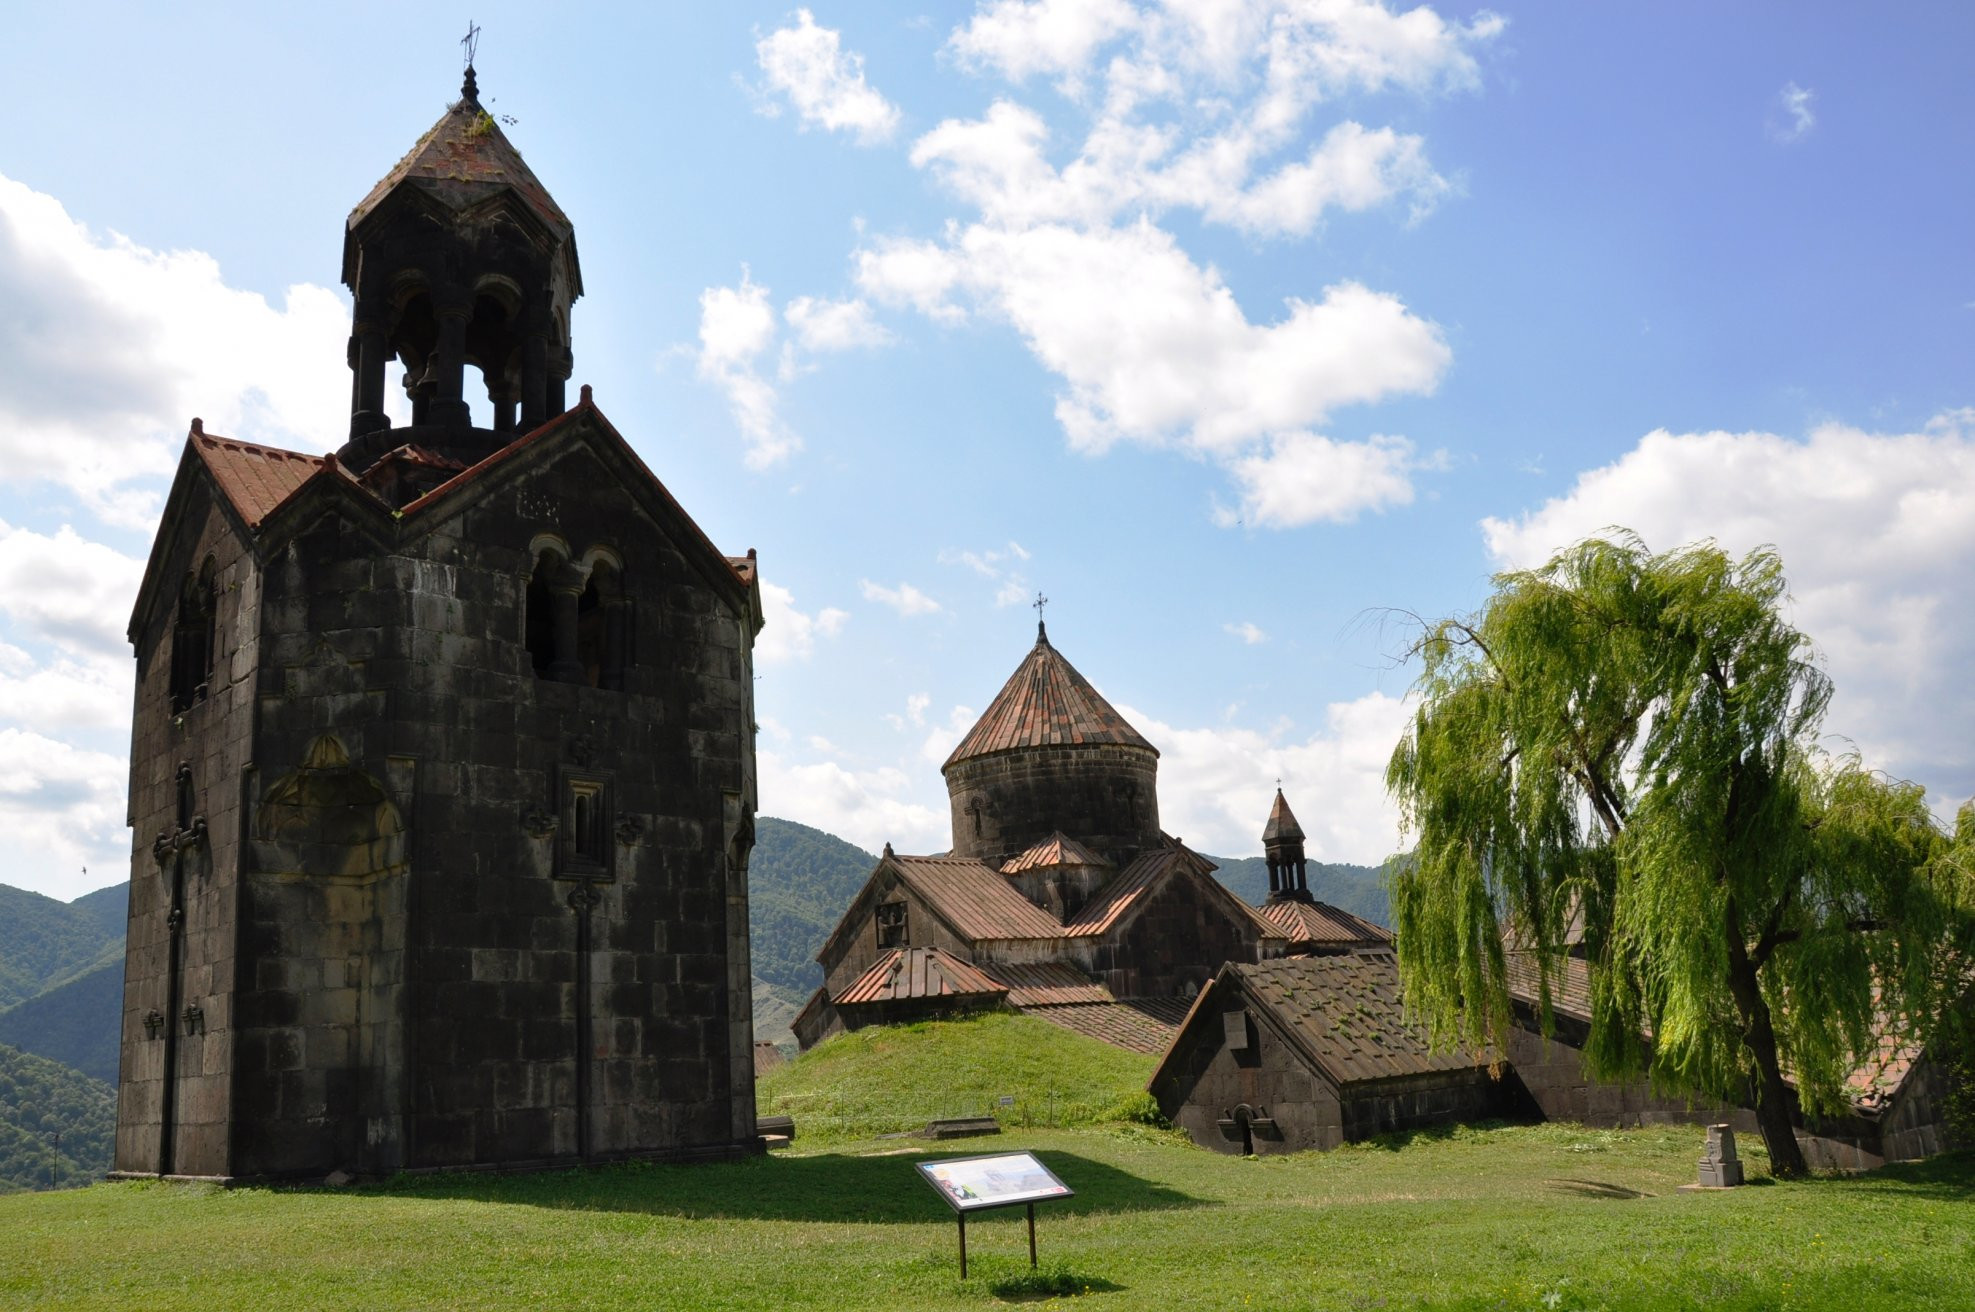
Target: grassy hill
40 1099
892 1078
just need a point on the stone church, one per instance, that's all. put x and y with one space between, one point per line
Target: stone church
442 772
1061 895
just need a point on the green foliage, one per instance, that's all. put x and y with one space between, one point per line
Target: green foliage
76 1023
40 1099
44 943
800 880
1624 744
895 1078
1494 1219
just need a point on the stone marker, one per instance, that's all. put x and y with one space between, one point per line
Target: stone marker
1720 1169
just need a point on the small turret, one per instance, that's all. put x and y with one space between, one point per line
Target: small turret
1282 846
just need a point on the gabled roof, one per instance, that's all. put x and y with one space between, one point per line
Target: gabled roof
1055 850
1322 924
1135 1024
917 973
974 898
1282 826
465 159
1343 1013
253 478
1046 703
1117 900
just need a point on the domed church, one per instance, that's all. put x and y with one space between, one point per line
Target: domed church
442 766
1060 895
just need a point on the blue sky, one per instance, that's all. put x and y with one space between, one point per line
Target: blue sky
1227 326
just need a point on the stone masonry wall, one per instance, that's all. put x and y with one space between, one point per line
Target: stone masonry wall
1104 796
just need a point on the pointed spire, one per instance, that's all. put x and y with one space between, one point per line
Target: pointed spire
1046 703
1282 826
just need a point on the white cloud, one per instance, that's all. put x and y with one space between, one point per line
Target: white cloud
1216 784
107 350
915 712
1793 104
1876 533
1248 631
942 738
1019 38
63 808
1302 478
71 591
736 326
821 325
867 807
905 599
1000 566
823 81
788 634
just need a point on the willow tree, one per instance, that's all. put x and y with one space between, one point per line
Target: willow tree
1617 756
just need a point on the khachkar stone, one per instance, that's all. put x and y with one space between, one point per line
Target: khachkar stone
443 756
1720 1169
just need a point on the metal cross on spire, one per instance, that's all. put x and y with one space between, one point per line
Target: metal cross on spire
1039 603
470 43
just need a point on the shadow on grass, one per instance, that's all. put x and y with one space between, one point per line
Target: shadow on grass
1948 1176
1595 1189
772 1188
1394 1140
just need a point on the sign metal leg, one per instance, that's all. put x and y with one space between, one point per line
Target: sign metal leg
1032 1236
963 1244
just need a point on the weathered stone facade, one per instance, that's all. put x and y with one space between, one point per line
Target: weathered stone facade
450 863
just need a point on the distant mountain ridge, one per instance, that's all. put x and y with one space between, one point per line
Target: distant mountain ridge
44 943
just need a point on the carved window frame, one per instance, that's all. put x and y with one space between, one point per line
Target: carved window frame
893 921
586 824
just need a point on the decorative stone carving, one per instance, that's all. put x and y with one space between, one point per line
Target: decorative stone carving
584 900
580 750
154 1023
194 1017
629 830
538 823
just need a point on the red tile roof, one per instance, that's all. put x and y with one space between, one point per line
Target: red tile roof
1570 983
917 973
462 160
1117 899
974 898
1322 925
255 479
1282 822
1136 1024
1046 984
1046 703
1055 850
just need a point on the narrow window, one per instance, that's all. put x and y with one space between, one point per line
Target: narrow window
584 842
193 638
539 624
891 925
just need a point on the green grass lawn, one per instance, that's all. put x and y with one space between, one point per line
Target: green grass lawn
1546 1217
1537 1217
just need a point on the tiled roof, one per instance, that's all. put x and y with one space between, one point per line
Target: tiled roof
917 973
1345 1013
1046 703
464 159
1137 1024
254 478
1570 983
1321 924
1055 850
1116 899
1282 822
1046 984
974 898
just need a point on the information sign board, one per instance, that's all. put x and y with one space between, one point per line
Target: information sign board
973 1184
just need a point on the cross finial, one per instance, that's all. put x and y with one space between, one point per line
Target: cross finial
470 43
1042 634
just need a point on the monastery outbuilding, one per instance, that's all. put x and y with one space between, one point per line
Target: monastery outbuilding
442 772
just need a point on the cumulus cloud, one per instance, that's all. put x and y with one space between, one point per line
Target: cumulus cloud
63 807
1216 783
823 81
1205 109
736 329
868 807
1793 118
108 348
905 599
1876 531
788 634
824 325
1248 631
1002 567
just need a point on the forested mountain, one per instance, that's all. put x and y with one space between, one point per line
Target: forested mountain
44 942
1357 889
74 1023
800 880
40 1099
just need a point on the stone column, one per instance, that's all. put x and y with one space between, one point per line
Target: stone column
534 380
448 405
563 596
369 356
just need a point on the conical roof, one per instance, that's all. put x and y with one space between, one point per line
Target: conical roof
1282 825
466 159
1046 703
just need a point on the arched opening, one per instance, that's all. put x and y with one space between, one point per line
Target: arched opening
193 638
539 622
600 627
414 340
493 349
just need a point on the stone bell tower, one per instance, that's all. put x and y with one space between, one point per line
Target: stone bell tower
442 767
